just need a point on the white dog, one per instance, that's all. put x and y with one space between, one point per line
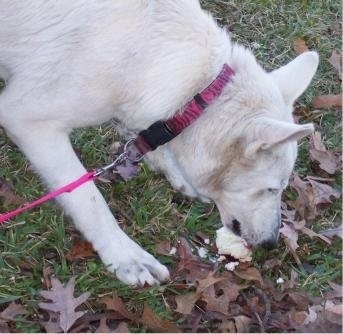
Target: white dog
71 64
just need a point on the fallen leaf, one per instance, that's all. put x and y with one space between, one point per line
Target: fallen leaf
215 303
337 291
335 61
332 232
300 226
192 264
52 325
115 303
148 317
151 320
80 249
291 234
299 299
250 274
299 45
186 302
103 328
334 313
328 161
297 318
63 302
10 313
327 101
242 323
7 193
323 192
208 281
122 328
227 326
311 193
305 202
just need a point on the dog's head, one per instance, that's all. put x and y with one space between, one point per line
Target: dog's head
241 152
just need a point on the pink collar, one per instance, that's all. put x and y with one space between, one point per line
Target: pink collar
162 132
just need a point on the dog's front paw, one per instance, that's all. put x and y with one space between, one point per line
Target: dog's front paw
133 265
139 272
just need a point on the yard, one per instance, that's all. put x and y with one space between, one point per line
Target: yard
296 287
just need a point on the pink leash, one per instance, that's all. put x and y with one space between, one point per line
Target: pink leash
90 176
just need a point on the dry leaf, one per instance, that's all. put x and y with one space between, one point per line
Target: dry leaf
122 328
115 303
291 234
80 249
333 232
327 101
242 323
334 313
300 226
148 318
63 302
53 324
7 192
185 303
250 274
304 204
215 303
335 61
337 291
323 192
9 314
299 45
196 268
103 328
12 311
311 193
328 161
151 320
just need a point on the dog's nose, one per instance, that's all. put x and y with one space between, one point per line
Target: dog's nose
269 244
236 227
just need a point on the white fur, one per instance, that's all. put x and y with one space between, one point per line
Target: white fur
79 63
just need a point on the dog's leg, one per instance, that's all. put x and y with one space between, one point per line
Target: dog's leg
50 151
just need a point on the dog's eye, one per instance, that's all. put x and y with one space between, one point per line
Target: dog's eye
273 191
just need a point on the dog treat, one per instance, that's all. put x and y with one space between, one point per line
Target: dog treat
229 243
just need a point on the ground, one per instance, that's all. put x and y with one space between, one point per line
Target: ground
42 243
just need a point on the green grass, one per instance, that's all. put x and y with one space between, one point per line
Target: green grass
149 210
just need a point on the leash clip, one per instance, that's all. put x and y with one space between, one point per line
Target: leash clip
130 154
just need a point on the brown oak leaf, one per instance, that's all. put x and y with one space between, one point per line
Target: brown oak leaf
250 274
327 101
81 249
63 302
9 314
148 318
287 231
328 160
7 193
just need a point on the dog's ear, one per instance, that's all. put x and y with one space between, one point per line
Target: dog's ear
267 132
293 78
